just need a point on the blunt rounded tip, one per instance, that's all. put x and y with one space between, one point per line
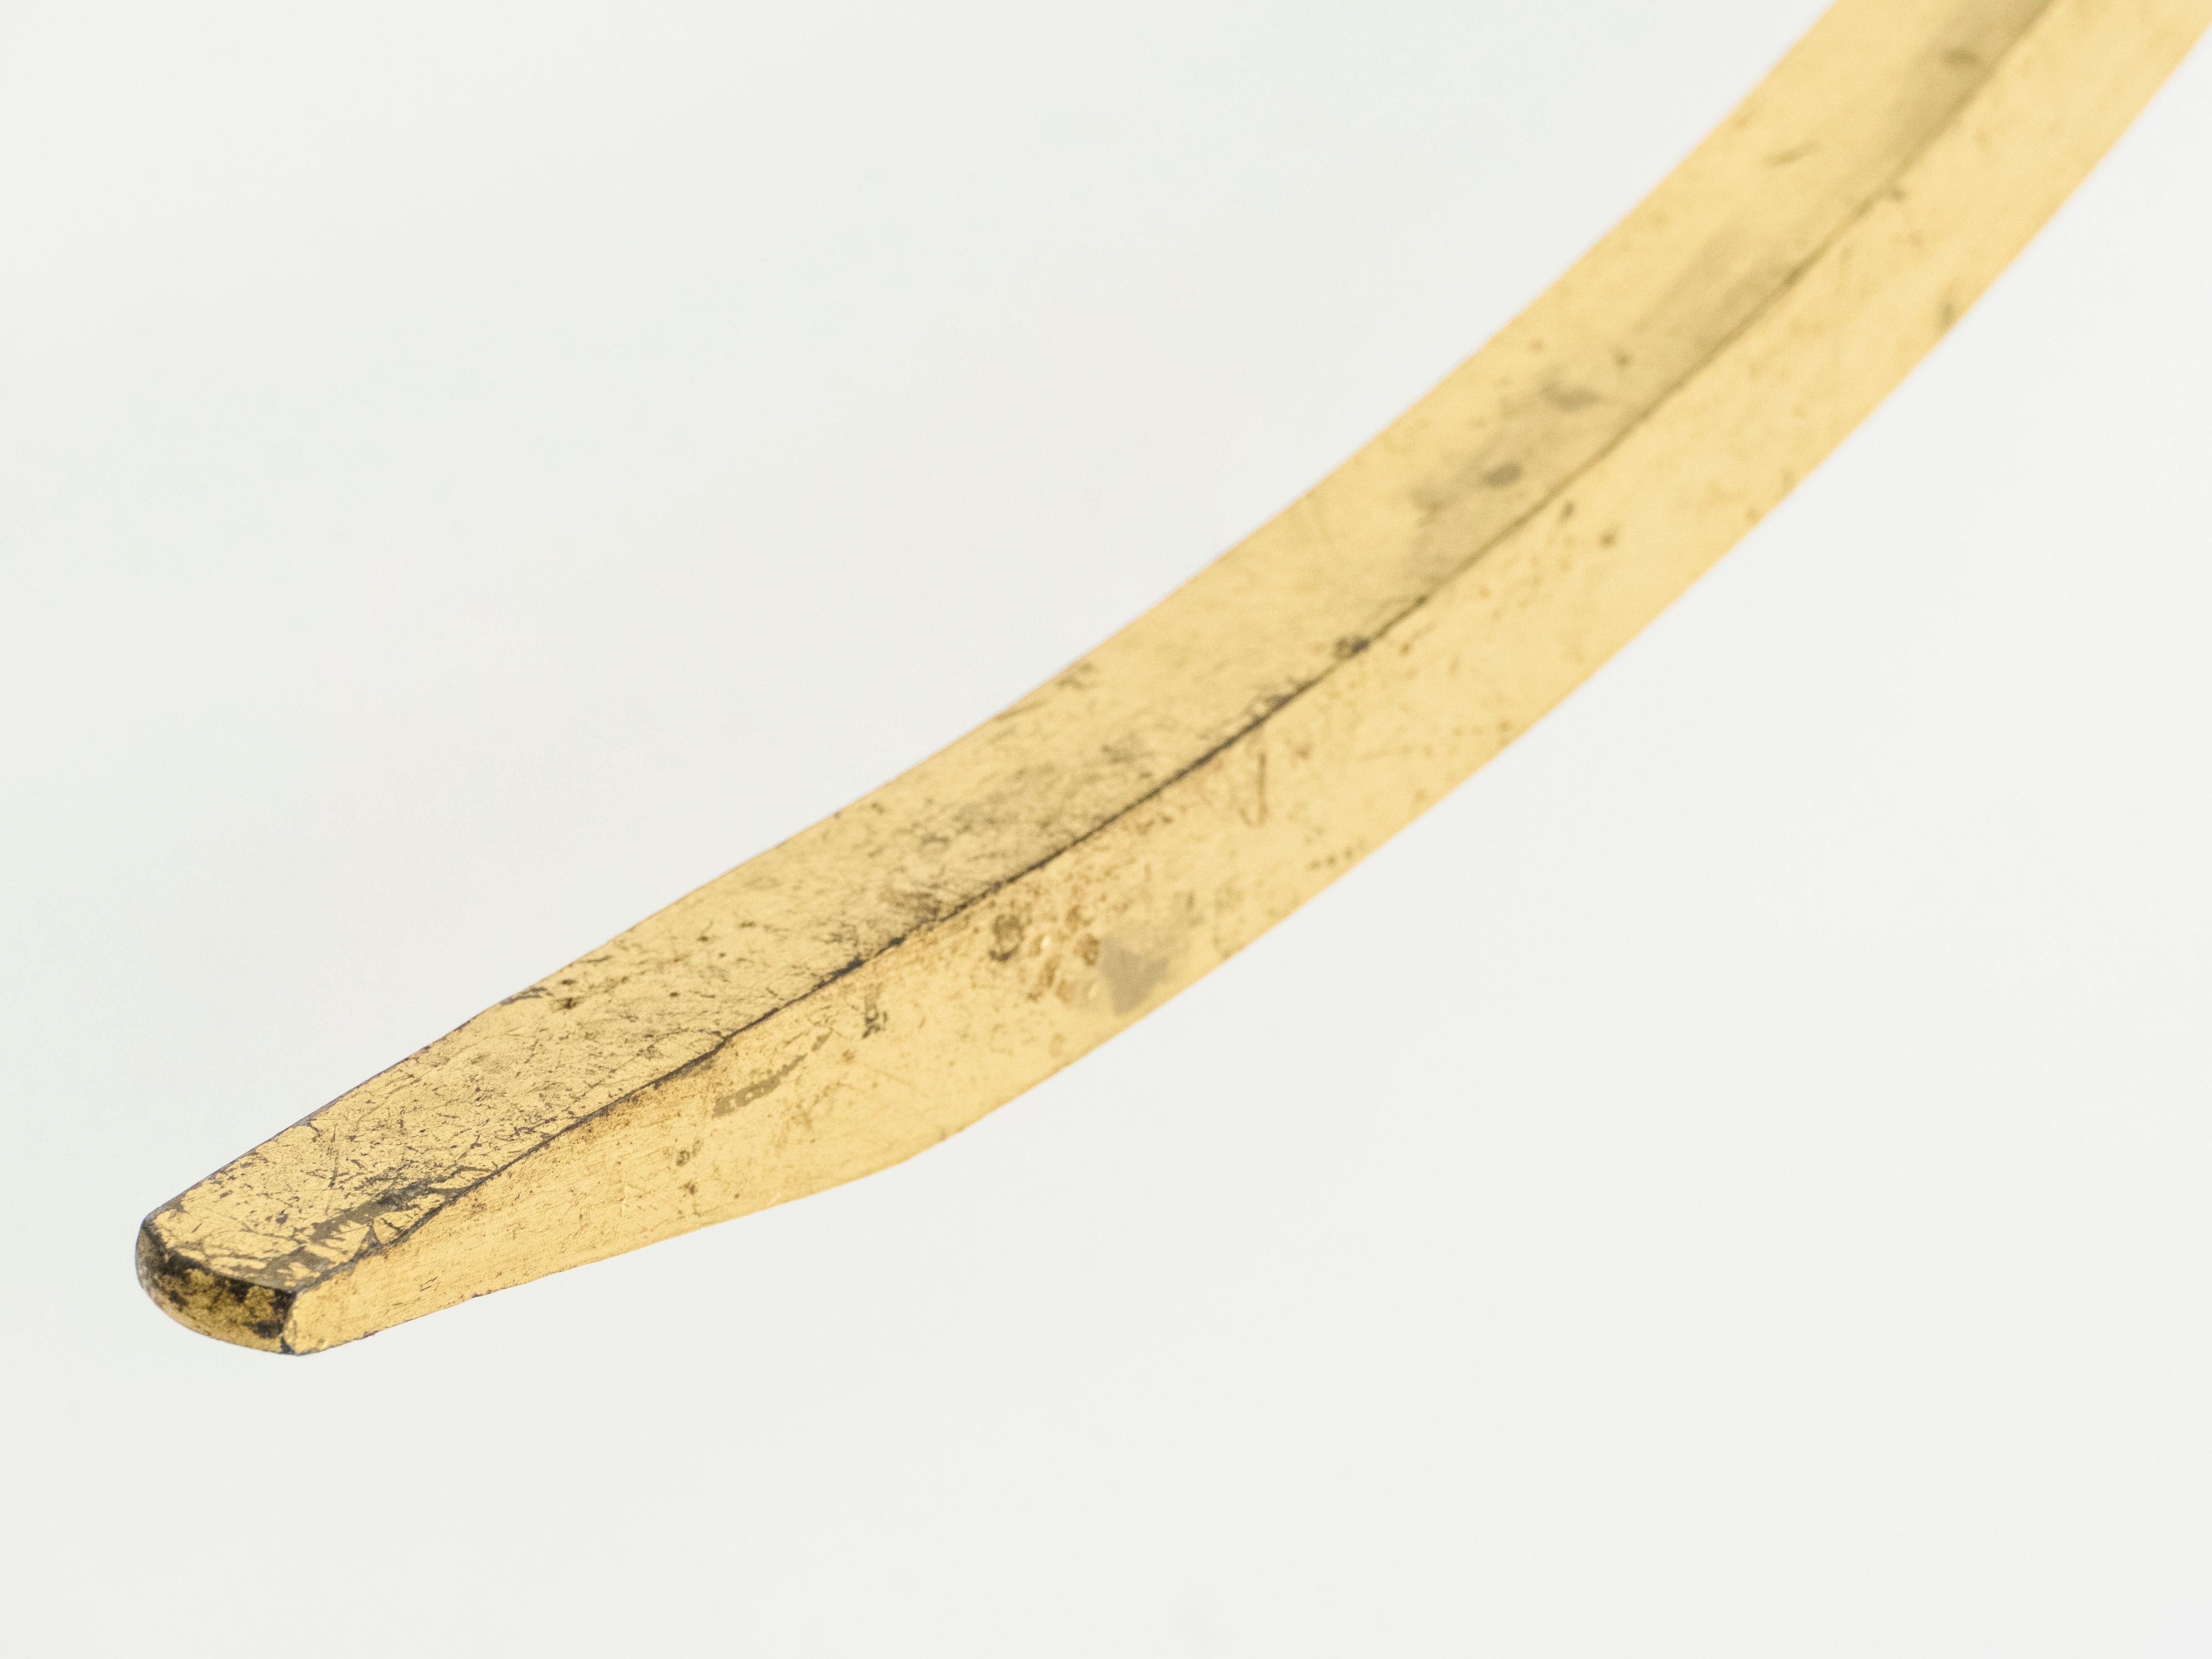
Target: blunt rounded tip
213 1304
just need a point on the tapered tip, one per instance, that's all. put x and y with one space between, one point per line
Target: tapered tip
213 1304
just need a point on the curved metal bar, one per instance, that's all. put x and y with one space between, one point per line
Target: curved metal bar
888 976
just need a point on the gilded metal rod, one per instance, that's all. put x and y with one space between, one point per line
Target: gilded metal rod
886 977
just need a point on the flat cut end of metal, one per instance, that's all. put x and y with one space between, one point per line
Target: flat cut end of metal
200 1298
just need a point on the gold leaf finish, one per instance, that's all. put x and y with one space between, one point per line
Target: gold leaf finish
886 978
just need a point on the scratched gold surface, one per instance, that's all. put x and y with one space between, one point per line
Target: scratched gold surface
886 977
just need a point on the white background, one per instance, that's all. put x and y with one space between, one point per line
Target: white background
1735 1179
